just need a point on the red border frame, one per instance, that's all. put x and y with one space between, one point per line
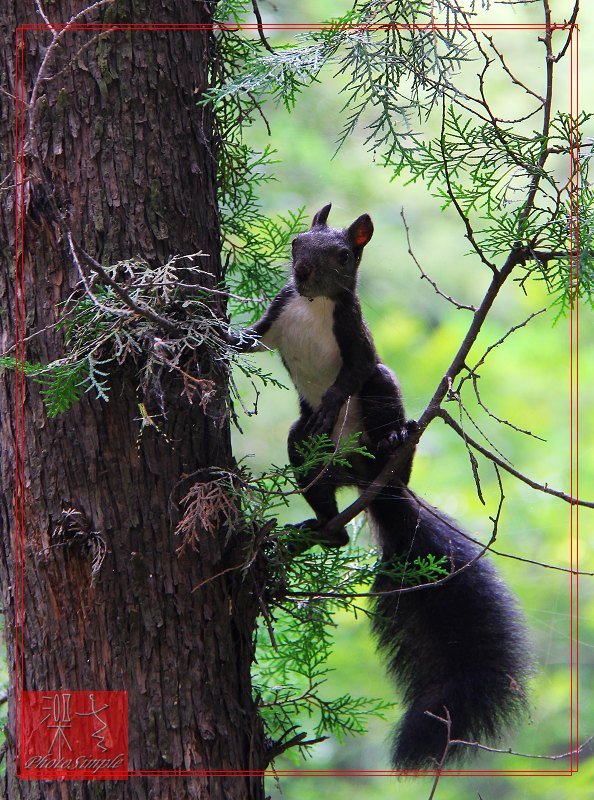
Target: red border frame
20 393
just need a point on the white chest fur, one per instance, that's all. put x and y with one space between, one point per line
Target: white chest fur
303 332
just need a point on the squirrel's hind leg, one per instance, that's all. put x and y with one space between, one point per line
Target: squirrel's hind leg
318 486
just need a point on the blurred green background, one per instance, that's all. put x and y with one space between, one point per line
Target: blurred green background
526 381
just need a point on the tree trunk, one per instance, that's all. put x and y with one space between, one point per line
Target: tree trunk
129 159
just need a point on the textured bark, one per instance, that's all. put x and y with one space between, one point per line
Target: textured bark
130 161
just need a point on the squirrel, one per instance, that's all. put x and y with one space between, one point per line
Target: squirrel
458 650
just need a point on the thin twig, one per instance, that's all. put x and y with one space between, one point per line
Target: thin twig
515 80
477 427
570 24
449 420
458 531
143 311
511 752
546 124
57 36
488 411
44 17
495 121
447 720
12 96
492 347
261 34
424 274
452 195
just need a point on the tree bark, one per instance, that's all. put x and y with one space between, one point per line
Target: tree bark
130 162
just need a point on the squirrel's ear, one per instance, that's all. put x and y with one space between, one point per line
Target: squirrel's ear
361 230
321 217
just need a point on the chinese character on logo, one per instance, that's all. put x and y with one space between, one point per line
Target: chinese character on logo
74 735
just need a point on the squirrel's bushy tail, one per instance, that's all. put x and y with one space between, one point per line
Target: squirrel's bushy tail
456 649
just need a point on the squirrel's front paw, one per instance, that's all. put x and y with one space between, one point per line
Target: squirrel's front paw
313 533
321 421
397 437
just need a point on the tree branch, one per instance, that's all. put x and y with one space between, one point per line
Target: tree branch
56 36
432 584
433 409
511 752
570 24
513 78
496 460
451 194
447 720
142 311
424 274
261 34
546 124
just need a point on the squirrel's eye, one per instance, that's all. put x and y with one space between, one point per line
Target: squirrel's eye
343 256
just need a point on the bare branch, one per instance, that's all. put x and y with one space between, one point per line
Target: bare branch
570 24
514 79
424 274
492 347
432 584
496 460
500 419
261 34
464 410
42 14
433 409
447 721
457 530
509 751
452 195
472 375
546 124
57 36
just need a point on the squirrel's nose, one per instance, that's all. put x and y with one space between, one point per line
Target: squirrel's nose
302 270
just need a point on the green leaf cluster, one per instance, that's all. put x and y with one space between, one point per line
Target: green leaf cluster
398 75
